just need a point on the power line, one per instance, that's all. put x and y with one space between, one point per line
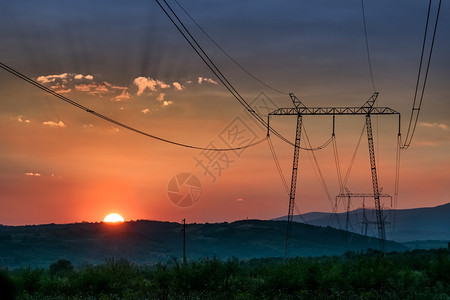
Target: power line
367 45
229 56
415 111
82 107
216 71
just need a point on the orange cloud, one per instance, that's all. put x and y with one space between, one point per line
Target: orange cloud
204 79
144 83
20 119
51 78
434 125
123 96
54 124
178 86
32 174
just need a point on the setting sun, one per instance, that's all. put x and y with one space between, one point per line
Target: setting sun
113 218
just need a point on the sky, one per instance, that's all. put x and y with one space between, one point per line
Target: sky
125 60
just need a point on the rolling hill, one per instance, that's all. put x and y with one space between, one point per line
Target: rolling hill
147 242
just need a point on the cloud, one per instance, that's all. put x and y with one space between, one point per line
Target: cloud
83 87
63 91
94 88
51 78
123 96
145 110
160 97
144 83
66 82
81 76
32 174
204 79
88 125
114 87
239 199
434 125
178 86
54 124
20 119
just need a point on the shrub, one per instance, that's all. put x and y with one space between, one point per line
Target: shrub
62 267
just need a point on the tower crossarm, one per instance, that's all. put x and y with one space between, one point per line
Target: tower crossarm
325 111
361 195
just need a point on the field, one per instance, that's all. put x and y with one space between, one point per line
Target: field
418 274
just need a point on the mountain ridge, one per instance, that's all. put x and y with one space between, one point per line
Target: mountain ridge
415 224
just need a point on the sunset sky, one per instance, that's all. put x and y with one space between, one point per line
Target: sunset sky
125 60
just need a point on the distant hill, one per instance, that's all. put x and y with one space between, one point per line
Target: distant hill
418 224
146 242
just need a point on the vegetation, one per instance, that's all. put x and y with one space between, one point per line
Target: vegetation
418 274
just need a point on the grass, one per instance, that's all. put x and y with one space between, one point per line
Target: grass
418 274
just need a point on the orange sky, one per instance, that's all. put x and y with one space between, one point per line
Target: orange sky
60 164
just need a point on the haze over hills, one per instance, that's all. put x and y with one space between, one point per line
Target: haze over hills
147 242
418 224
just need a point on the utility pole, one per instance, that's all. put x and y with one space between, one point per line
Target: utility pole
366 110
184 241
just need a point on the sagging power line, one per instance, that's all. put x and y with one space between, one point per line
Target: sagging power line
415 111
182 29
226 54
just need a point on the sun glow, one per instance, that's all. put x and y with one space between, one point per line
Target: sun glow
113 218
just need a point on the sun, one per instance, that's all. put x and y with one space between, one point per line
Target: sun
113 218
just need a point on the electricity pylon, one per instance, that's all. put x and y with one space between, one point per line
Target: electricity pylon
348 195
367 110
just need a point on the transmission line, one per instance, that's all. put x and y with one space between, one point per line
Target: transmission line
101 116
367 45
415 111
229 56
210 64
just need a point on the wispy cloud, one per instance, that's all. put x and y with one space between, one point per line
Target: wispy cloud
67 82
114 87
204 79
20 119
123 96
145 111
63 91
178 86
434 125
160 97
32 174
54 124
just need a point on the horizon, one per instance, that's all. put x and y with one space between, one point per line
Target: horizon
187 221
